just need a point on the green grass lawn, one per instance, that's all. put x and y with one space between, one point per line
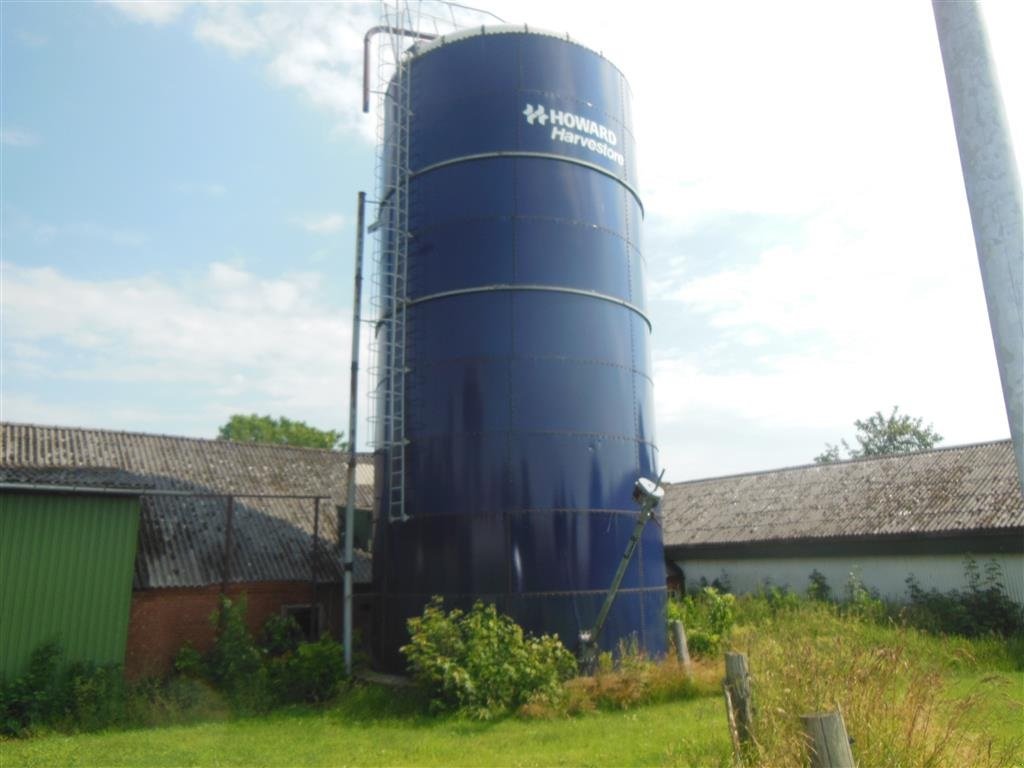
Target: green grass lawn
375 726
686 733
902 692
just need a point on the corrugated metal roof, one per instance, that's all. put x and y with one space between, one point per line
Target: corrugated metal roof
181 539
948 490
962 488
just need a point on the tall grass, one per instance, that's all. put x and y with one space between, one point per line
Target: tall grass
892 685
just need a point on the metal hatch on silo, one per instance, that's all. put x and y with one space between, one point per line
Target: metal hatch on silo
514 393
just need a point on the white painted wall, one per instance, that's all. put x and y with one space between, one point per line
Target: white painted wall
885 573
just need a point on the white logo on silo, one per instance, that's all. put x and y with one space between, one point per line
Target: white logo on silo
537 114
565 124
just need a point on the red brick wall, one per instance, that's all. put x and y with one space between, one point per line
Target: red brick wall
162 620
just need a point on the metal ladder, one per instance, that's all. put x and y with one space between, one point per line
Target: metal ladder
393 262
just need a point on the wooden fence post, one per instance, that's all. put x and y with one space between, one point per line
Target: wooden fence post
682 649
828 744
737 684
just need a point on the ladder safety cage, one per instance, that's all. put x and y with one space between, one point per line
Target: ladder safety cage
389 295
402 23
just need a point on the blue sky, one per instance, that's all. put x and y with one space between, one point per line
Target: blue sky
178 187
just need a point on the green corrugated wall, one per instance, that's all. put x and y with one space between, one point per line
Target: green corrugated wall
66 564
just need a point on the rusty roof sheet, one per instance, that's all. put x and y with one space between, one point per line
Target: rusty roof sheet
942 491
181 538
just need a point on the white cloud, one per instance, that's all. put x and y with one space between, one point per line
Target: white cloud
18 137
267 339
320 224
156 12
789 349
863 290
315 48
229 26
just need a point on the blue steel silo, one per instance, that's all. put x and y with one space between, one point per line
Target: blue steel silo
514 389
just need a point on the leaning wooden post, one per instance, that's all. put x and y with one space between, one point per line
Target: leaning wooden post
828 744
682 650
737 685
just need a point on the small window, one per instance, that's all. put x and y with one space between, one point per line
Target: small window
361 531
308 617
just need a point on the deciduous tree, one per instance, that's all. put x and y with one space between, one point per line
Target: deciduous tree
280 431
879 435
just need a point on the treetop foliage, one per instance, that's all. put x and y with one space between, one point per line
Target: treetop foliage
280 431
880 435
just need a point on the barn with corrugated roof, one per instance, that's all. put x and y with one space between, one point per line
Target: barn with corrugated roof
118 543
121 542
883 519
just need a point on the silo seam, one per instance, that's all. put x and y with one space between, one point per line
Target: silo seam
525 155
540 358
511 287
548 432
455 223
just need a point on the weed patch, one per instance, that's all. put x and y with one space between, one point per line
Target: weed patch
892 685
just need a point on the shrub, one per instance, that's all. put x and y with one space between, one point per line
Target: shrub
779 599
311 674
280 635
983 608
189 662
77 696
481 663
861 601
818 588
234 664
92 697
33 698
708 617
234 659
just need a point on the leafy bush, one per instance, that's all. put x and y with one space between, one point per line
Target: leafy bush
983 608
188 662
708 616
93 697
311 674
33 698
862 601
779 599
281 669
481 663
77 696
818 588
280 635
234 663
